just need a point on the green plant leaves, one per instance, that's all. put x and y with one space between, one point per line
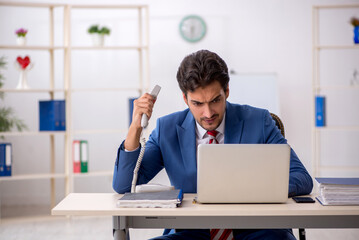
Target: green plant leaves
96 29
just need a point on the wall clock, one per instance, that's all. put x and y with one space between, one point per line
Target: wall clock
192 28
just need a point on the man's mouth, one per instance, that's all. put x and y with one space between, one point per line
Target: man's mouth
210 120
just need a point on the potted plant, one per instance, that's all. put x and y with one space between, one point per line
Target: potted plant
355 22
21 36
98 34
7 118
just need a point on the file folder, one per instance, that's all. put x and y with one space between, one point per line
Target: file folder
5 159
84 156
76 156
320 115
52 115
130 109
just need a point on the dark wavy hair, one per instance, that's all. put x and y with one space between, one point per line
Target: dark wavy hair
200 69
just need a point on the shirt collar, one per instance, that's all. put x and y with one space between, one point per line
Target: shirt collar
201 132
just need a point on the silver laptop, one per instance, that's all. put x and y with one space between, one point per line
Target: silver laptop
243 173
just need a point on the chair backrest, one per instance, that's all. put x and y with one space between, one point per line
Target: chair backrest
279 123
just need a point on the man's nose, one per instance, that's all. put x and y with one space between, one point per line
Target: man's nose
208 112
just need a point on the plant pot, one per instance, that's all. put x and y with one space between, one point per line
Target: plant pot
98 39
21 41
356 35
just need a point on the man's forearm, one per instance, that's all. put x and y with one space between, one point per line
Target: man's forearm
300 183
132 141
123 170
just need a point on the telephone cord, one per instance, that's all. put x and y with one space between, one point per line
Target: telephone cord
138 164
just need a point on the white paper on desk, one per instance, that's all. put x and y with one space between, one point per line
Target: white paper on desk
338 202
338 191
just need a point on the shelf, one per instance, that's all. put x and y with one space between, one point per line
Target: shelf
23 4
99 131
61 43
319 48
337 46
94 174
104 89
16 47
337 128
45 90
340 168
337 87
109 48
31 90
33 176
337 6
109 6
33 133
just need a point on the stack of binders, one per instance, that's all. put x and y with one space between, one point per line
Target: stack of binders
80 156
338 191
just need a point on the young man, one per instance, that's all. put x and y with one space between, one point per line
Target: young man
203 78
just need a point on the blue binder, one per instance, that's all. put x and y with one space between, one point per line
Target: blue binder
52 115
320 118
339 181
130 108
5 159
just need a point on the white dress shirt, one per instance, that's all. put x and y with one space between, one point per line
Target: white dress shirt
203 138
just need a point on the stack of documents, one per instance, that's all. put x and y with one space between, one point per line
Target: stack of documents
338 191
163 199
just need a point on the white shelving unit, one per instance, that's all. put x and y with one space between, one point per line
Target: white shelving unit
140 46
318 88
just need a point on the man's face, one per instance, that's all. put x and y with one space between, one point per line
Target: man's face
208 105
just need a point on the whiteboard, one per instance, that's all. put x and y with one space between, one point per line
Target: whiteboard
257 89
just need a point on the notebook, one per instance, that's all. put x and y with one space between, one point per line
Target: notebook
243 173
162 199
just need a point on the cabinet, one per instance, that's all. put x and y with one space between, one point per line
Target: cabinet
335 63
73 75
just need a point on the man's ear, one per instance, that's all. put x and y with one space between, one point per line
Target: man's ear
227 92
185 98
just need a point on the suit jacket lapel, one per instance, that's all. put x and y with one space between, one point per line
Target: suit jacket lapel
234 126
187 135
187 141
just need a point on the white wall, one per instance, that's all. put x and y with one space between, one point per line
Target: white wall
257 36
252 36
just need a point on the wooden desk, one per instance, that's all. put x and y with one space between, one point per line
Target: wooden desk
190 215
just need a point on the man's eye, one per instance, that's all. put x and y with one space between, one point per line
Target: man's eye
197 103
216 100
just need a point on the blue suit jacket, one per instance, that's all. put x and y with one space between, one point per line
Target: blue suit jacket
172 145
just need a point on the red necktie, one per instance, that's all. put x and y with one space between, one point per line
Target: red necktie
212 137
221 234
218 234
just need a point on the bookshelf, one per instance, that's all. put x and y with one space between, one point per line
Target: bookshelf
322 86
68 48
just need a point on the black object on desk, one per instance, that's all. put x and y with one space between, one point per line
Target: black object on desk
303 200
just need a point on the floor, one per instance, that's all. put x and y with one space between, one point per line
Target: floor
32 227
74 228
35 222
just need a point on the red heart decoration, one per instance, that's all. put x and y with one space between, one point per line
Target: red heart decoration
24 62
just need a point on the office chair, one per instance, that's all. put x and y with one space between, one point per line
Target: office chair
280 126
